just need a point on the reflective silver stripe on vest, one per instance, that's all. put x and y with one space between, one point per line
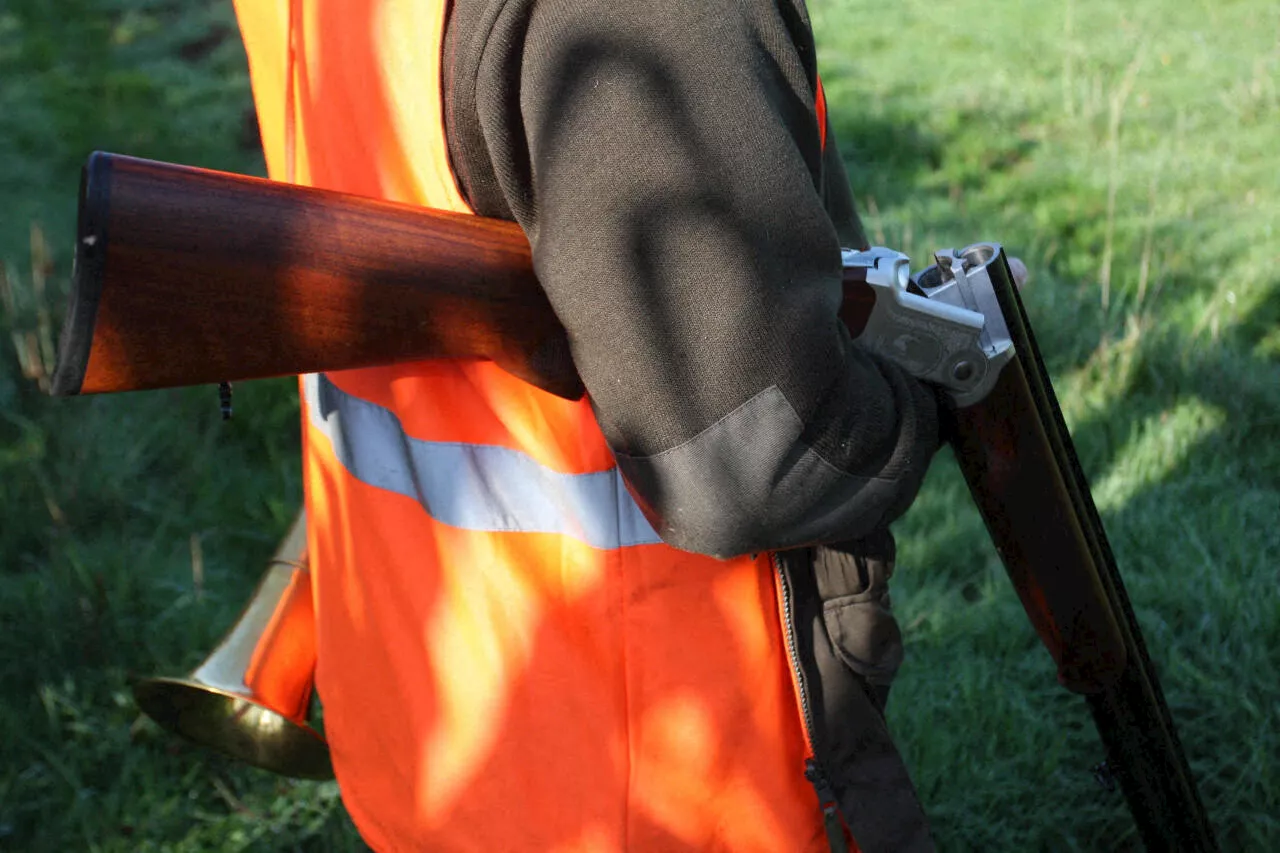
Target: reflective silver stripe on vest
474 486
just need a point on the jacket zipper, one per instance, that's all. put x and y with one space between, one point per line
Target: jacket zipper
830 809
812 770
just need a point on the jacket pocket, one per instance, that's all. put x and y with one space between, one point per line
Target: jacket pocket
865 635
853 581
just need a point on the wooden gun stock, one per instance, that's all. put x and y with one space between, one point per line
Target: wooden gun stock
188 276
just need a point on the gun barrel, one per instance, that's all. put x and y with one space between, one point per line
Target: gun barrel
1020 463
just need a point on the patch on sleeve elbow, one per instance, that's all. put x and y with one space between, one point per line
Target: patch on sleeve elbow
747 483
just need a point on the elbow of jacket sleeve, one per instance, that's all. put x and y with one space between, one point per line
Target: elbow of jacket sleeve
749 484
804 502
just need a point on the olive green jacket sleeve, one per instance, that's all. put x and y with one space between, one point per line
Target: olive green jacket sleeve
664 158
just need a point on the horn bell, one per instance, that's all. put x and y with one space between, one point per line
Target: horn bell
249 698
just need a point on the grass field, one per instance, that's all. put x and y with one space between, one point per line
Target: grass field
1126 151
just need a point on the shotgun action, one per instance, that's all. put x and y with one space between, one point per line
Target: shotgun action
185 276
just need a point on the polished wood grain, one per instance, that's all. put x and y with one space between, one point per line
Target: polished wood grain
188 276
859 300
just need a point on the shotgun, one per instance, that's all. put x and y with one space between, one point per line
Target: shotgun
187 276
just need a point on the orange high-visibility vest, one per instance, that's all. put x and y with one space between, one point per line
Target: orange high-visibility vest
509 657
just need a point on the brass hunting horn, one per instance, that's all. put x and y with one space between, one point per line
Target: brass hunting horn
249 699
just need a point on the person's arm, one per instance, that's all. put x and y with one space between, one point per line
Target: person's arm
664 159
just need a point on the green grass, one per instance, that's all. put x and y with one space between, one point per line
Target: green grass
1125 151
104 500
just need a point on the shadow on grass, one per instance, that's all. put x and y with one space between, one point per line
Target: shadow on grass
1184 456
1183 450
